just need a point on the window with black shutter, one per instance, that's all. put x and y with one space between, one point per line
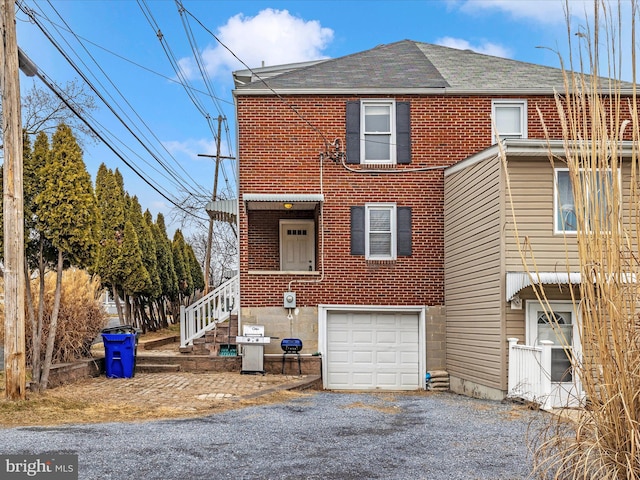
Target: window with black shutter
381 231
378 132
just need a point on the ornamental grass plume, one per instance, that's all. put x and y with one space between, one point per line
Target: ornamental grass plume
81 316
601 136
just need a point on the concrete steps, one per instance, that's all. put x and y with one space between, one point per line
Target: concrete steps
143 367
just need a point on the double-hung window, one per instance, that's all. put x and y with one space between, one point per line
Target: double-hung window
378 135
381 231
380 224
378 132
593 203
509 119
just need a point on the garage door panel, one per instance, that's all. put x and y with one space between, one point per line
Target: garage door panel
362 379
386 358
373 350
409 357
387 337
410 379
387 380
362 336
336 337
363 319
364 357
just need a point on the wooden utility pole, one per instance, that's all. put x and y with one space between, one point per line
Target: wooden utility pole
14 276
214 197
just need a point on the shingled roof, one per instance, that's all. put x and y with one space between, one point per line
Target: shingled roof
410 67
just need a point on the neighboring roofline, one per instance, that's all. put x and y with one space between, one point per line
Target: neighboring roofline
516 147
246 76
265 91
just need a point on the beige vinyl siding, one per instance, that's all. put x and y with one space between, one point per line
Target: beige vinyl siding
473 274
532 194
532 191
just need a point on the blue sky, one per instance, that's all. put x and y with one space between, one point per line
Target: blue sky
115 43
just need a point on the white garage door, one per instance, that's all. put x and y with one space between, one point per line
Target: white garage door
373 350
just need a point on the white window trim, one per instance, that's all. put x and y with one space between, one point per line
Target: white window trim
393 226
522 103
392 123
558 229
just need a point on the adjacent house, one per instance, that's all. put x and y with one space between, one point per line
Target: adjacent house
372 214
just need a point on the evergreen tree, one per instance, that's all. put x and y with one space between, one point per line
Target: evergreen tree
111 203
165 260
166 271
136 277
195 268
180 262
67 215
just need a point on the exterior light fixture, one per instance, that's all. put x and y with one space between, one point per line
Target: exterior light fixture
288 206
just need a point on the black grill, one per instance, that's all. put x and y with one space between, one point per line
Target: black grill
291 345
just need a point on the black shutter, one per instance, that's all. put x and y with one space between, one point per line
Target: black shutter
403 133
353 132
357 231
404 231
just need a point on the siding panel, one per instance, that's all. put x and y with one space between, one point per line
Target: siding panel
473 257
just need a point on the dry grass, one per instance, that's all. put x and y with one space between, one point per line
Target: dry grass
80 319
604 442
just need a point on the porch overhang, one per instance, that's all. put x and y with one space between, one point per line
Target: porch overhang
517 281
223 210
282 201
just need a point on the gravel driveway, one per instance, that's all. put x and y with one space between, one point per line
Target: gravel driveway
321 435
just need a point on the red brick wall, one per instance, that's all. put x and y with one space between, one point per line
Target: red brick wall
279 153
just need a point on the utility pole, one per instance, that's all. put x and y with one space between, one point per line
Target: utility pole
14 263
214 197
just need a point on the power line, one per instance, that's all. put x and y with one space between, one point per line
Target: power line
280 97
180 181
51 85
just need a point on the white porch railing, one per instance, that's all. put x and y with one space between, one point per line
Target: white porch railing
530 372
213 308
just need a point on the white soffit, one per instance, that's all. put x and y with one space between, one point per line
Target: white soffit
517 281
276 201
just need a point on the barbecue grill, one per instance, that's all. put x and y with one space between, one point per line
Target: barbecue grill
252 341
291 345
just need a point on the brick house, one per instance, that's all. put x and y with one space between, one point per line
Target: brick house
347 171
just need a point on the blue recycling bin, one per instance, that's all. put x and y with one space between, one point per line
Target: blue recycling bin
119 354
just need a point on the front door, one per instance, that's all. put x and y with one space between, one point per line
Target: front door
297 245
559 325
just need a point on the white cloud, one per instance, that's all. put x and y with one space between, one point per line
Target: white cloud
190 148
273 37
546 12
486 48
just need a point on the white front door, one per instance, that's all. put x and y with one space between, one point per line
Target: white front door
297 245
560 326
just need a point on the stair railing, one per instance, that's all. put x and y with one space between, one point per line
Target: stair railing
203 315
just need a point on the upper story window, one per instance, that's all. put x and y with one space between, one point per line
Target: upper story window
378 137
594 203
378 132
510 119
